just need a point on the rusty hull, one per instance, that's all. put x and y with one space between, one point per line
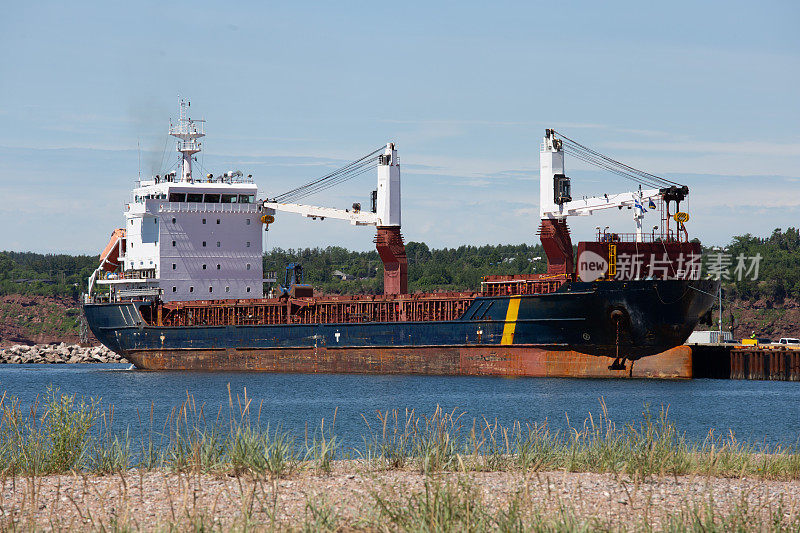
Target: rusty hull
469 360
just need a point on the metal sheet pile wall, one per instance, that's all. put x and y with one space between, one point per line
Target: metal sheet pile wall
765 363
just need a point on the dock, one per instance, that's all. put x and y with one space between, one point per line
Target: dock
734 361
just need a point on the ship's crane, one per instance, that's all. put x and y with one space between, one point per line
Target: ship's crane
556 203
384 213
555 199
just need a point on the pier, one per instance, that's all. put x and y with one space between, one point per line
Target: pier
760 362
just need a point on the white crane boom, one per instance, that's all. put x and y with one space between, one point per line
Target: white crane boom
356 218
387 199
587 206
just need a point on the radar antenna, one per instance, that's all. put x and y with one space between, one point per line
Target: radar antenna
187 131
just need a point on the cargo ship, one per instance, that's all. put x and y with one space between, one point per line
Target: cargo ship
182 287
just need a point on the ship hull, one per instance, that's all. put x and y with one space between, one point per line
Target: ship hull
569 332
510 361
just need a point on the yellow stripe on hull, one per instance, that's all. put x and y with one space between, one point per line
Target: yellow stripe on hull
511 321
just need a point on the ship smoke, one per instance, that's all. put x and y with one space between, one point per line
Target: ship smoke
149 117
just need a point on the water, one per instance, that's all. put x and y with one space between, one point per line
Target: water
759 412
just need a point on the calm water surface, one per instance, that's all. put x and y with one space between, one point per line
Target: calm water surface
756 411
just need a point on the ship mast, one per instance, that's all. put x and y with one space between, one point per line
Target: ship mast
187 131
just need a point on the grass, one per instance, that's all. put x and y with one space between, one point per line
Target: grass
441 504
64 434
60 433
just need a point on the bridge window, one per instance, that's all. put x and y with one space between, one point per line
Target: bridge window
177 197
229 198
212 198
247 198
192 197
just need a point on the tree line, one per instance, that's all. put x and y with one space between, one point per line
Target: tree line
446 269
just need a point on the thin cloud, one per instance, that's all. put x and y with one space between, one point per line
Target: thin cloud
710 147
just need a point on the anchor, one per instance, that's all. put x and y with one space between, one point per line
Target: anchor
619 363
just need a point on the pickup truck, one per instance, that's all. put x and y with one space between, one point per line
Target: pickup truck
787 341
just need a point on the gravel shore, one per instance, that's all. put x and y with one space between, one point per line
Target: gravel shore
360 498
58 354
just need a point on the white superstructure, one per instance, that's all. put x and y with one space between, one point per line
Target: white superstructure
188 238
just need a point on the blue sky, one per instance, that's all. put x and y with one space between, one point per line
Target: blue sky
704 93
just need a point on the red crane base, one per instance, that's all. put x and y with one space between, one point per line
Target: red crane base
389 243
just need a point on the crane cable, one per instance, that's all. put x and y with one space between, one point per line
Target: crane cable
593 157
610 168
349 171
352 173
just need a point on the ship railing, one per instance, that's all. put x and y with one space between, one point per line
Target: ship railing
515 287
328 311
201 207
612 237
149 273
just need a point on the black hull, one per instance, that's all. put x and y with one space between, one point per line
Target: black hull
654 316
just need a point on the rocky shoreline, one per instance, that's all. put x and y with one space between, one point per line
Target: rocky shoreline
58 354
